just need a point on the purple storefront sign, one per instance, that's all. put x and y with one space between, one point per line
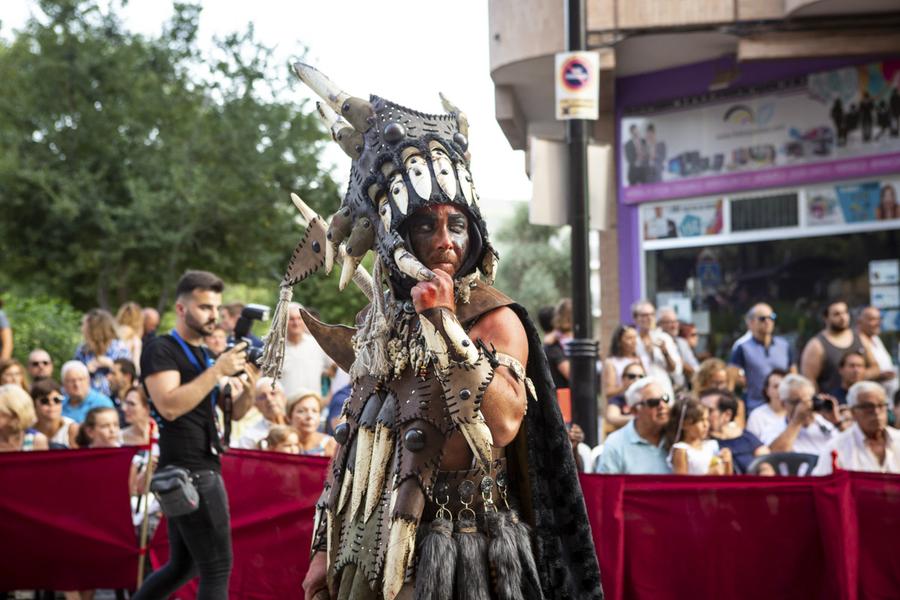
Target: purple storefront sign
775 177
693 80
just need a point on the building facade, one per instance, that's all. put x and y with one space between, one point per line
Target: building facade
755 151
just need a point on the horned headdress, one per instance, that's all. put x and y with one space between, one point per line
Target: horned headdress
402 160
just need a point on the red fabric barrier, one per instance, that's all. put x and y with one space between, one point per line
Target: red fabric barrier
674 537
65 524
272 498
65 520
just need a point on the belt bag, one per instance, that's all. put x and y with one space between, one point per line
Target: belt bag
175 491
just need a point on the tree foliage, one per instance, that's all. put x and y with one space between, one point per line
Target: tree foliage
535 265
126 159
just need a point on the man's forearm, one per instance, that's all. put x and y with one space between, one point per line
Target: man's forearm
184 398
785 441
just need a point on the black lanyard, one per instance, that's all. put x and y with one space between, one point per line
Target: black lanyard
193 358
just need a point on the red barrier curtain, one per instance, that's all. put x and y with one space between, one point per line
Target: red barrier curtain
65 520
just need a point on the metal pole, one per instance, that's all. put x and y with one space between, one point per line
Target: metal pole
582 349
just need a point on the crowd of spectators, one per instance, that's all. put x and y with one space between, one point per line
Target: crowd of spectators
768 409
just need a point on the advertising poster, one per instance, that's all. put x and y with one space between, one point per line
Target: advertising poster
837 124
682 219
853 203
885 296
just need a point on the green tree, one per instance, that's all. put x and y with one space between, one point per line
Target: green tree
535 265
126 159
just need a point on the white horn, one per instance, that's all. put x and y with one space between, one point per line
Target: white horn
321 85
308 213
360 276
410 265
330 251
348 269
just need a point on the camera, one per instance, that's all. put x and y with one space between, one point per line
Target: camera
250 313
823 402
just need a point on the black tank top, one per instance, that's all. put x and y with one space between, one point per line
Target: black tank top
830 376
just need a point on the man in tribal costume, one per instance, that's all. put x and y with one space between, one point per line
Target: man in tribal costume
454 477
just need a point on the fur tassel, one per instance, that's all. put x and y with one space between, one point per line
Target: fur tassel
503 555
401 544
273 354
437 562
472 581
531 581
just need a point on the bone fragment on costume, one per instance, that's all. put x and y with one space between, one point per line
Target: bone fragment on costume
332 121
417 171
411 266
384 211
346 487
461 120
381 455
443 169
399 193
331 248
457 336
401 544
478 436
364 439
465 181
348 269
435 343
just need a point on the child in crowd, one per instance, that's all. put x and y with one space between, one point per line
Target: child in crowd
691 452
282 438
100 429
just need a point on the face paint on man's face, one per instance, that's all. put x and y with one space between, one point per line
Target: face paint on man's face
440 237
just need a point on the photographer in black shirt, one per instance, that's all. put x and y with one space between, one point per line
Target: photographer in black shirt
183 384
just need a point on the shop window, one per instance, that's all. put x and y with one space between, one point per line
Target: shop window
764 212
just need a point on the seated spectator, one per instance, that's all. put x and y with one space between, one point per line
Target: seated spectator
40 365
622 352
101 346
80 398
803 429
11 371
100 429
687 345
282 438
869 444
48 400
17 419
618 413
767 421
744 446
851 369
304 414
580 451
269 401
690 451
637 447
130 322
137 415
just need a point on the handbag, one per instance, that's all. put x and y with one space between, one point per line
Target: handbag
175 491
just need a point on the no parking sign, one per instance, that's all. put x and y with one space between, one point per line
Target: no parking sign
577 85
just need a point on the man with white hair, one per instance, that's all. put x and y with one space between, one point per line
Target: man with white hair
869 444
304 360
80 397
656 348
804 430
269 400
637 448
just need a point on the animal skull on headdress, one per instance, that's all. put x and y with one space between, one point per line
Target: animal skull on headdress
403 160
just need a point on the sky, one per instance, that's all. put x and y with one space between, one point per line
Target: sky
402 50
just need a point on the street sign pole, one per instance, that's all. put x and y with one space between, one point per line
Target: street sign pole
583 348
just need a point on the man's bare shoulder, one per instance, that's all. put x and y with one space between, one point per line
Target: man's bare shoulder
502 328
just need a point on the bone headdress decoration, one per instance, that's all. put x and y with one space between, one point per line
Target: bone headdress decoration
403 160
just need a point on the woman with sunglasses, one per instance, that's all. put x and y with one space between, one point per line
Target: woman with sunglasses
622 352
59 430
618 413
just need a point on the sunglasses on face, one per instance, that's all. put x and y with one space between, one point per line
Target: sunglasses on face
764 318
632 375
51 400
655 402
39 363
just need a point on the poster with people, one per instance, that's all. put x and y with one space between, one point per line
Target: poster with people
824 126
682 219
853 203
